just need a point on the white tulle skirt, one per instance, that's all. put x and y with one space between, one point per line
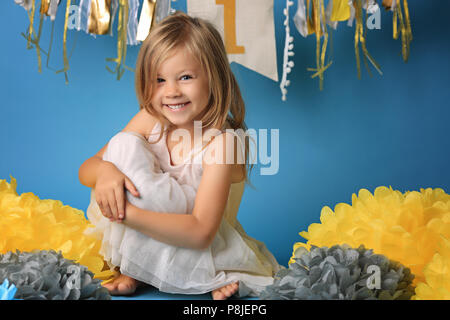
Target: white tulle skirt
232 256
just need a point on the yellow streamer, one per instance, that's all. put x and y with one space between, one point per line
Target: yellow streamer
341 10
359 38
401 20
36 42
31 35
316 26
30 28
66 60
394 25
122 26
405 27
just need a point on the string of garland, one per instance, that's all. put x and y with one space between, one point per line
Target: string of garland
95 17
288 52
312 18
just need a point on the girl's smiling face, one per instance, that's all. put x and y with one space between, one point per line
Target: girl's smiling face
181 93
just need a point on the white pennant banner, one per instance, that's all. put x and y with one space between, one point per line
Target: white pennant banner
248 30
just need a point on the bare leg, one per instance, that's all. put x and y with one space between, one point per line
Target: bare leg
225 291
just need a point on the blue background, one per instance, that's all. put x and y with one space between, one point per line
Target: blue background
390 130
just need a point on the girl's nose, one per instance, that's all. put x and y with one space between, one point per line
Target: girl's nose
172 89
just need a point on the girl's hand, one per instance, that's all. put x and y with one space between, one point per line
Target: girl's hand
110 191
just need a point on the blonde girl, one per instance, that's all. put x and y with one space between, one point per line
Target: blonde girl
166 215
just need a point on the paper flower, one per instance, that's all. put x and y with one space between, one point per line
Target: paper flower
409 228
46 275
437 275
28 223
340 273
7 291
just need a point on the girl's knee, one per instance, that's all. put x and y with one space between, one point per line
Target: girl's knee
128 147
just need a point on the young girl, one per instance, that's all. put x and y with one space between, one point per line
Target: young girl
166 210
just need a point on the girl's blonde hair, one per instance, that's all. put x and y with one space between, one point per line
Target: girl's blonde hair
203 41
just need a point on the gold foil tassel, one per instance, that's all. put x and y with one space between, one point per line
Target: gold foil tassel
405 28
310 18
394 25
66 60
37 40
100 17
387 4
146 20
31 35
316 26
407 20
30 28
45 5
359 38
401 24
121 41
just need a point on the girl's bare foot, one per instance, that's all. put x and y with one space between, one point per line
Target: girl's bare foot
225 292
122 286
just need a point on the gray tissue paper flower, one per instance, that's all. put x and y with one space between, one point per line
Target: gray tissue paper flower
47 275
340 273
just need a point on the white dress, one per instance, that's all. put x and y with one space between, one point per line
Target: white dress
232 256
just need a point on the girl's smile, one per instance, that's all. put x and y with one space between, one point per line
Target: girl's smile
182 92
177 107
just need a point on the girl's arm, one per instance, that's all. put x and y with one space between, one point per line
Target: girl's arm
196 230
88 172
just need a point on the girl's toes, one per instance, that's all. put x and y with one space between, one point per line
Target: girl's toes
226 292
218 295
126 288
234 287
111 287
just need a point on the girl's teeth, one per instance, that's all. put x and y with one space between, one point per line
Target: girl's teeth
177 106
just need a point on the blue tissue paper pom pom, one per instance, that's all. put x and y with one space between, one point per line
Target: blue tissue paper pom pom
7 291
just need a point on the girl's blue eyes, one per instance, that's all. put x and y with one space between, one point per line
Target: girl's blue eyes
185 77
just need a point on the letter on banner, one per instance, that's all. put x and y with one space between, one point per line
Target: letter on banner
248 30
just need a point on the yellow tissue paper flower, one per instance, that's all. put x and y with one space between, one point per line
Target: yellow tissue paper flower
411 228
28 223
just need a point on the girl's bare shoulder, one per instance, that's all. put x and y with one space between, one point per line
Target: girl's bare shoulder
226 142
142 123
